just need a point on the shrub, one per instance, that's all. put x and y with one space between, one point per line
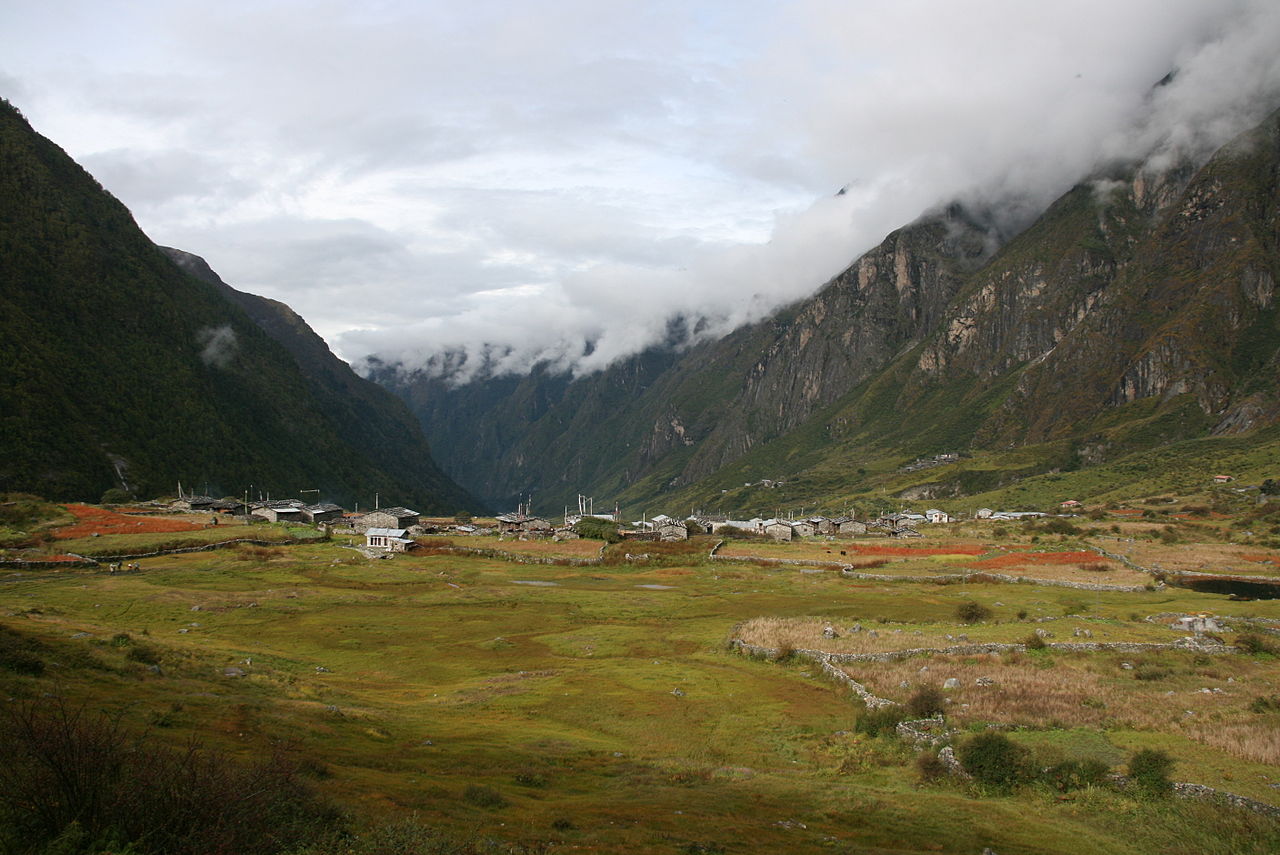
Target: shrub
252 552
144 653
115 496
1251 642
785 653
20 654
595 528
71 777
1076 774
930 767
972 612
1151 672
1034 642
927 701
482 796
1265 704
1059 526
880 720
528 778
995 761
1149 771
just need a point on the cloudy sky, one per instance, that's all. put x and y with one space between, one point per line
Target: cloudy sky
533 176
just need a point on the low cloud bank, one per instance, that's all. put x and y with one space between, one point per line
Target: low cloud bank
933 122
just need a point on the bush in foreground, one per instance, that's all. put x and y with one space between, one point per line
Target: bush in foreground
995 761
1149 772
972 612
73 781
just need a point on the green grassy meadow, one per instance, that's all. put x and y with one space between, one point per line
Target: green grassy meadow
602 703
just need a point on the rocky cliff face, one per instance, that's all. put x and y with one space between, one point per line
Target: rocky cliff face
1135 286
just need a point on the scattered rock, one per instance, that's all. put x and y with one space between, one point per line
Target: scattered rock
830 632
233 672
984 681
677 692
196 607
320 669
904 685
1128 666
951 683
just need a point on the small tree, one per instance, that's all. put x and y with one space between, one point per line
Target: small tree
1149 771
995 761
927 701
462 517
972 612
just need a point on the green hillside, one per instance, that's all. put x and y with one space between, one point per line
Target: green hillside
123 371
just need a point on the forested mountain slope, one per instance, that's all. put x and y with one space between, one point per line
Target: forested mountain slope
121 370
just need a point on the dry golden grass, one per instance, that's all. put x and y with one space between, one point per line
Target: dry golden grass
807 633
1089 690
1201 557
1089 572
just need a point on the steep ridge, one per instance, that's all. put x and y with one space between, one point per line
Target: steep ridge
1138 310
666 419
123 371
363 414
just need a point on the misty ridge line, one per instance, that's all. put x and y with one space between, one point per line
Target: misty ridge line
1227 85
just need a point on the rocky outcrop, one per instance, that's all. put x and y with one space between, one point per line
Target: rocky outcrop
1139 285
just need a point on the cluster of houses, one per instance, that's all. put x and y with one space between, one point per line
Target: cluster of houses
386 529
930 462
392 529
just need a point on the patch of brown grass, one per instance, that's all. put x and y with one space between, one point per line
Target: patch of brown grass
1084 690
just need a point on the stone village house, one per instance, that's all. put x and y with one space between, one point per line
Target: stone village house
386 518
388 539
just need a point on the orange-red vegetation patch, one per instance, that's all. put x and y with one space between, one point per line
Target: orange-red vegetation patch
90 520
920 552
1274 558
1018 559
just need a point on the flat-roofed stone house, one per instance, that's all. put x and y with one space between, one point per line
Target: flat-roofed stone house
388 539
